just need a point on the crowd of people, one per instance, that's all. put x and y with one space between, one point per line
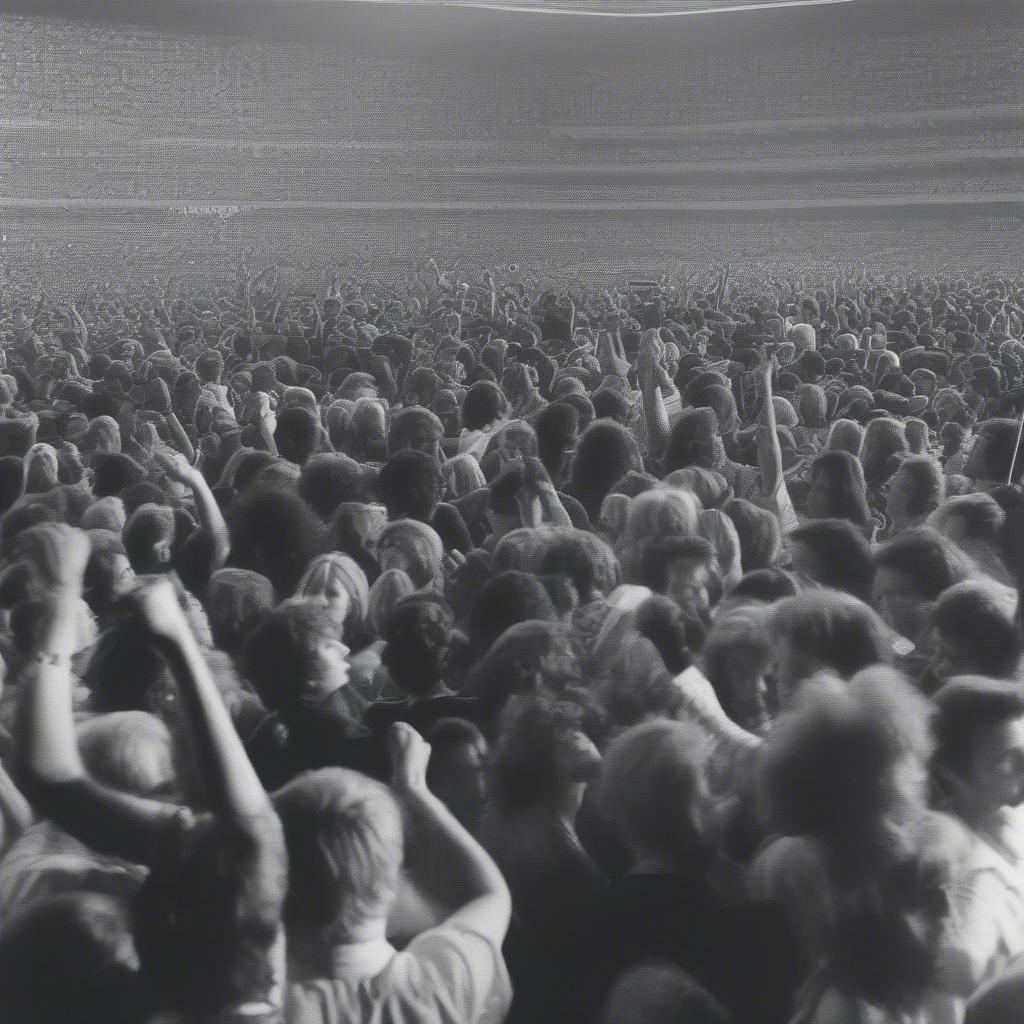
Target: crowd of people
462 650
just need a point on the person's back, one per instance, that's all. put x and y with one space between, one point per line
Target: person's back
344 836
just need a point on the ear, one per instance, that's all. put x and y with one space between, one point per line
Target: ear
162 550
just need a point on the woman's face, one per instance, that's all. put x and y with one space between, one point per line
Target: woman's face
326 586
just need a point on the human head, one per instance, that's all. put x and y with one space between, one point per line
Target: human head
915 491
975 629
684 569
660 993
275 533
759 533
824 630
737 656
84 939
979 750
337 582
606 451
417 633
294 652
149 538
296 434
345 849
541 753
413 547
130 751
911 571
208 918
505 599
845 435
834 553
410 485
456 774
651 792
417 429
838 489
234 597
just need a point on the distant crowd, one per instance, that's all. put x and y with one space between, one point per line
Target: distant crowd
463 650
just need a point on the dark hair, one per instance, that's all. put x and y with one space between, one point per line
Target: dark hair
520 662
965 706
482 405
847 495
972 616
502 496
297 433
410 485
766 585
605 452
525 763
930 561
208 915
843 555
505 599
659 556
127 672
81 939
328 479
577 557
279 656
417 633
275 533
662 622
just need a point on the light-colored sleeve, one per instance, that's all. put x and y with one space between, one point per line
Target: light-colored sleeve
468 974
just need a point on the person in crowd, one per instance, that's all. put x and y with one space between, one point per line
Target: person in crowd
642 569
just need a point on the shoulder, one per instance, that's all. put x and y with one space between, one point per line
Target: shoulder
445 974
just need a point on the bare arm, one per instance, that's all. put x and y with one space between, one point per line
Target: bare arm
232 786
454 869
210 516
769 451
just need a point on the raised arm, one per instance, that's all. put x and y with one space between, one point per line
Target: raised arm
453 869
47 761
229 780
769 451
210 516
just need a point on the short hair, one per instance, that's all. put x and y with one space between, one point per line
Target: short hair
651 789
345 848
831 629
129 751
768 585
504 600
737 650
929 560
978 617
981 515
964 707
843 554
280 655
660 555
417 633
148 526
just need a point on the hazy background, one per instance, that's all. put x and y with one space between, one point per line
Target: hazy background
880 132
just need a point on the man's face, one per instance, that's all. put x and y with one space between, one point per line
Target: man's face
689 587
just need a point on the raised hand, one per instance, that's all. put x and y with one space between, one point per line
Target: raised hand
410 755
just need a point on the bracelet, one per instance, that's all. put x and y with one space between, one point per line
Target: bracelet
49 658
